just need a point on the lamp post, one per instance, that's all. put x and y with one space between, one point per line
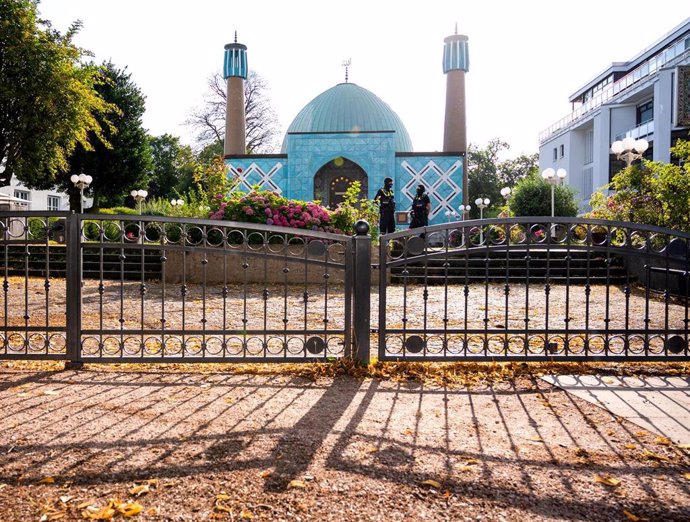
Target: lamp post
464 210
629 149
139 196
553 178
451 213
505 192
81 181
482 204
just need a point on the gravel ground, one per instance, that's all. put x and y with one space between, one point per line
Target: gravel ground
179 445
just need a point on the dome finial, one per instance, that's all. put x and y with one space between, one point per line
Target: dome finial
456 32
456 28
346 64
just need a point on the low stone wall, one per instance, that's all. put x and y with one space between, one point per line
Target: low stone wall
238 267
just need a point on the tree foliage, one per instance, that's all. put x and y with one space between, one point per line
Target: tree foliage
653 193
532 197
49 104
261 121
488 174
173 166
126 163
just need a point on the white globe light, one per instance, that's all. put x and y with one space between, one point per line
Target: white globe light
641 145
617 147
141 193
548 173
74 178
145 193
628 143
487 201
88 179
133 193
180 202
561 173
478 201
82 177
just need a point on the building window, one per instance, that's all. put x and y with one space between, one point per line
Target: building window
562 150
645 112
53 203
555 153
22 194
589 147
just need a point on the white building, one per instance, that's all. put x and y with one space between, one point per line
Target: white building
647 97
36 199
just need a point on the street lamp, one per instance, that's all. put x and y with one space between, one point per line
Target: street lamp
81 181
553 178
464 210
482 204
629 149
176 202
505 192
451 213
139 196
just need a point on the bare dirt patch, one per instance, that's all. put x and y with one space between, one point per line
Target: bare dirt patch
181 445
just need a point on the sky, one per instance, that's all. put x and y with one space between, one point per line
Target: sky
526 58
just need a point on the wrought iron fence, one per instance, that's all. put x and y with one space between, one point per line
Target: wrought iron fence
534 289
141 288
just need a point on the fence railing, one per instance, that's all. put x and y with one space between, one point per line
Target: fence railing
102 288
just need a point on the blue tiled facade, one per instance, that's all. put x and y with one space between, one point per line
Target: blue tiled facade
292 174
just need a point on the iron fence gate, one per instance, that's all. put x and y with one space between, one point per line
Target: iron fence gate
534 289
141 288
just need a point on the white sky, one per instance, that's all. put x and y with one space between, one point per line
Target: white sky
526 57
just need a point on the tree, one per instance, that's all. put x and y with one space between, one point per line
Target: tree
261 120
488 174
652 193
126 163
532 197
49 104
173 166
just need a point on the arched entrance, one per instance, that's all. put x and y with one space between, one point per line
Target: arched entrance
335 177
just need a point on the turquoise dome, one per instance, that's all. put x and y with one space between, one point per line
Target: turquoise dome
348 107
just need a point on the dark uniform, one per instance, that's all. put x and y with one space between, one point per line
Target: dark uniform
386 200
420 210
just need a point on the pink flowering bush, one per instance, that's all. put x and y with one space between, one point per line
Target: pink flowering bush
270 208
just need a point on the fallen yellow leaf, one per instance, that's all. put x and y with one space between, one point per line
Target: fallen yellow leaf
142 489
222 496
372 449
631 446
632 517
246 514
662 440
93 513
535 439
609 481
129 509
47 480
433 483
467 468
686 476
266 473
297 484
50 392
65 499
651 455
224 509
472 462
683 446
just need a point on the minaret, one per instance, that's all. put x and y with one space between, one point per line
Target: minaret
235 72
456 62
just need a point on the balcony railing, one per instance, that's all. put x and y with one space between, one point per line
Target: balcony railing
641 131
674 53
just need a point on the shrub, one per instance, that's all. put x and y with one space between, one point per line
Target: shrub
652 193
532 197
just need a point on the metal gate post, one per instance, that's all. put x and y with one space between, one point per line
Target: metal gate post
74 284
362 292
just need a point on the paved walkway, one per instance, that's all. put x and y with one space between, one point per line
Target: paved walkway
658 404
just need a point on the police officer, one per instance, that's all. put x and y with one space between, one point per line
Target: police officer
421 207
386 200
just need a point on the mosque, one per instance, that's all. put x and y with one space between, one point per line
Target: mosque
349 134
